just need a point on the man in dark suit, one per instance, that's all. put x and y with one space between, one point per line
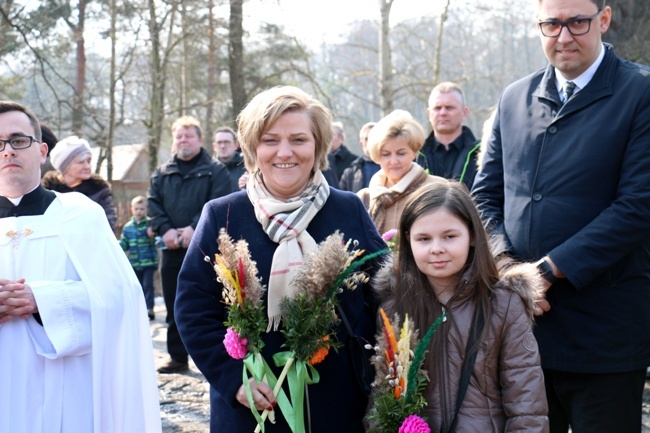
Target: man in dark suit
566 182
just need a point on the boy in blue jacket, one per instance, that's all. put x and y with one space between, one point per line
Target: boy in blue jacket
137 239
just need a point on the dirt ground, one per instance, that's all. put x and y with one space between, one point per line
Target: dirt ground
185 398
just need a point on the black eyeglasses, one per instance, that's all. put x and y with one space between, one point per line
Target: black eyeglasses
18 142
575 26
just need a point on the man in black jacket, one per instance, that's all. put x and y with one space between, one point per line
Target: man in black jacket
226 151
451 149
177 192
341 155
358 174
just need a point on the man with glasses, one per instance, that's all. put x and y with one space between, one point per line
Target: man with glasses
226 151
75 347
566 182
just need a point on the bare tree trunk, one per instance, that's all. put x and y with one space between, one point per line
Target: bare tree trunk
111 115
182 85
80 83
385 59
236 57
209 112
438 53
5 26
630 30
158 70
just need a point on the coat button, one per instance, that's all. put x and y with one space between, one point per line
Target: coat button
537 196
552 129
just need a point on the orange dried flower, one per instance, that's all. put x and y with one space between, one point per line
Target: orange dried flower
399 389
321 353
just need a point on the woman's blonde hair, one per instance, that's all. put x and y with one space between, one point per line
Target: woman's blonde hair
267 107
398 123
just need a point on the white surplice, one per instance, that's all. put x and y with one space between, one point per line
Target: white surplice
89 367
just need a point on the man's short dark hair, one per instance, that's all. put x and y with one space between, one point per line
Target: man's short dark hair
229 130
7 106
600 3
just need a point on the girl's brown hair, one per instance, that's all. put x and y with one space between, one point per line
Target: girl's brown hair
412 293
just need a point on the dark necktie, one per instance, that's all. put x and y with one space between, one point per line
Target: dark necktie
569 88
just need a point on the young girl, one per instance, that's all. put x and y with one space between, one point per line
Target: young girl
445 264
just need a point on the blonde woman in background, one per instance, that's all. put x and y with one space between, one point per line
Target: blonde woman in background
393 143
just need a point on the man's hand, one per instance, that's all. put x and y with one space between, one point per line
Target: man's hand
16 300
542 305
243 179
185 236
170 238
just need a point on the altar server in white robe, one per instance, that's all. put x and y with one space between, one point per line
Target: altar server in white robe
75 348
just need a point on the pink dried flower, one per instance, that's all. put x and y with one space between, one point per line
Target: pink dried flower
235 345
390 234
414 424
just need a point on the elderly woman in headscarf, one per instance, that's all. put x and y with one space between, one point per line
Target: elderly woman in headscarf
393 143
285 211
71 158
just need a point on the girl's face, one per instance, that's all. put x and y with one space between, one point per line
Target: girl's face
440 243
395 159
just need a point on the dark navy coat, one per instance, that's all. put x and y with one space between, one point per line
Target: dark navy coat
573 183
336 402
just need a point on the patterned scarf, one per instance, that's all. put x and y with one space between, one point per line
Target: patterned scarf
285 222
381 198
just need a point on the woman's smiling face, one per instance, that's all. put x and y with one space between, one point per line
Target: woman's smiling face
286 154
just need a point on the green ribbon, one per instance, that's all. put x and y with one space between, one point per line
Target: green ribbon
300 374
258 368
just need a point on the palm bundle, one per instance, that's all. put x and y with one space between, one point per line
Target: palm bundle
309 319
242 292
399 381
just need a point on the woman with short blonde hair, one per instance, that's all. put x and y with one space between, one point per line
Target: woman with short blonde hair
286 209
393 143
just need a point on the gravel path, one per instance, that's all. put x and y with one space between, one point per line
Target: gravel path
185 398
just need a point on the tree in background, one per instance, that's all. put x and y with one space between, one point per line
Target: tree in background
161 25
236 57
385 58
78 29
630 30
482 54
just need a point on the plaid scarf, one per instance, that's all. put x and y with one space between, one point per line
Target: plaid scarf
381 198
285 222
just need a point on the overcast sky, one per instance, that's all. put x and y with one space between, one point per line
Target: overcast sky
315 20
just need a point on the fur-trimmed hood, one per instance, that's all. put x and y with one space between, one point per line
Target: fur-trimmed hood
53 180
522 278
